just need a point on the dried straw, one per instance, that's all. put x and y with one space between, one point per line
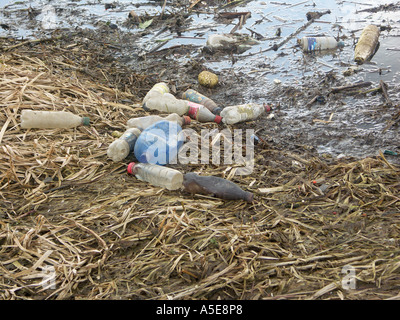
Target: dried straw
109 236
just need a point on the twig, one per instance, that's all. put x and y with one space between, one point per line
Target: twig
30 42
351 86
383 86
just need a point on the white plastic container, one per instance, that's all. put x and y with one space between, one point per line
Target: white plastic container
51 119
243 112
143 122
312 44
220 41
156 175
230 42
167 103
156 91
119 149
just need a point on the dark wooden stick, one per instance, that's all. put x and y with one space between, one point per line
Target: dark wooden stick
351 86
383 86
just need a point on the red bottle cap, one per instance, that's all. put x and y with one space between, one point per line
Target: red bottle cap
131 167
267 108
218 119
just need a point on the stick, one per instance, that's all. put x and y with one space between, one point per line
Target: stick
351 86
383 86
30 41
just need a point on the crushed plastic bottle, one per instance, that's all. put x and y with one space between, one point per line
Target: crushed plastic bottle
120 148
143 122
215 186
236 43
367 44
197 97
156 175
312 44
243 112
159 143
51 119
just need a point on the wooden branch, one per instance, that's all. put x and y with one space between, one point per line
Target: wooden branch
351 86
383 86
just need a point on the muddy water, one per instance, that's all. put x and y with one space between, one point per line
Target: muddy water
350 125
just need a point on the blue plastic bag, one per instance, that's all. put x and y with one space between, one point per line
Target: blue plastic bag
159 143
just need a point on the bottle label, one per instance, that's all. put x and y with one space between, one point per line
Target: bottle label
312 43
193 109
194 96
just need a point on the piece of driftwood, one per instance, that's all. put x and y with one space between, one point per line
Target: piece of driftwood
350 86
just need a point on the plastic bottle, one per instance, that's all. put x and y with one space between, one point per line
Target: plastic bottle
218 187
312 44
120 148
197 97
156 175
243 112
143 122
159 143
51 119
367 43
156 91
201 113
168 103
229 42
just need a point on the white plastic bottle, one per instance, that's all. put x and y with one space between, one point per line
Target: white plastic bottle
143 122
166 103
230 42
156 91
243 112
311 44
51 119
156 175
119 149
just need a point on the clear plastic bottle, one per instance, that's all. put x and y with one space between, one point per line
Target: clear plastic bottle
243 112
51 119
120 148
156 175
312 44
143 122
197 97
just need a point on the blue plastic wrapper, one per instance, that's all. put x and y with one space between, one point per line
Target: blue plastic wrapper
159 143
